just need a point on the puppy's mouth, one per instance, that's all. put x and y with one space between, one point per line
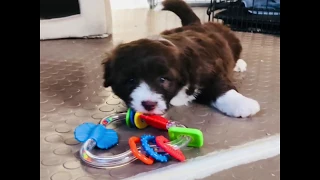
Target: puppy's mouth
152 112
149 107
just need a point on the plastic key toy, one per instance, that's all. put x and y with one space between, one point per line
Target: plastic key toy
151 149
145 139
175 153
178 133
132 143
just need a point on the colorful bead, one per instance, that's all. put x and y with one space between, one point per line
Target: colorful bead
86 157
109 120
132 113
139 123
128 118
106 121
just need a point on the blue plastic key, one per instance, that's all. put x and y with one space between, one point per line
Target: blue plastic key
145 139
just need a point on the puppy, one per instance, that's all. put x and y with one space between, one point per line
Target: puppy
194 62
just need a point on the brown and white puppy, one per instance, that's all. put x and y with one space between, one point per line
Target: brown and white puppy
194 62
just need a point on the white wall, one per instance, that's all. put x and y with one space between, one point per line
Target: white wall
135 4
129 4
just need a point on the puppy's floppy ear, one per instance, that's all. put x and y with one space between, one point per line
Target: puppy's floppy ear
107 72
189 58
108 63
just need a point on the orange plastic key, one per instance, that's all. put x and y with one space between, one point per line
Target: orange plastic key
133 147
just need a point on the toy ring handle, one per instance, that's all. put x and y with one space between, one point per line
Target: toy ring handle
133 147
98 161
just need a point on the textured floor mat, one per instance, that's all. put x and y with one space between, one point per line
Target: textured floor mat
268 169
71 93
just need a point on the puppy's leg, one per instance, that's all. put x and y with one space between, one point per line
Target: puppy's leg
223 95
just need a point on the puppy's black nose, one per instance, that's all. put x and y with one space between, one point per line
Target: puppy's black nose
149 105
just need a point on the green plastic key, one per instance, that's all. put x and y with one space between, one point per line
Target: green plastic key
195 134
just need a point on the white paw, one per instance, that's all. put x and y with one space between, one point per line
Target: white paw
182 99
241 66
158 7
235 104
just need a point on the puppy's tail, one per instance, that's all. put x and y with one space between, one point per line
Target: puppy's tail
181 9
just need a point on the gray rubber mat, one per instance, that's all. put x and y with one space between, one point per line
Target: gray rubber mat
71 93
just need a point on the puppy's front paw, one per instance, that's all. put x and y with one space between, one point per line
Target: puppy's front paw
241 66
235 104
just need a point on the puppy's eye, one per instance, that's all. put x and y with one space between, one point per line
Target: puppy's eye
163 79
164 82
131 80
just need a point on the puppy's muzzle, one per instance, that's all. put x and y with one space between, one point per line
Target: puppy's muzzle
149 105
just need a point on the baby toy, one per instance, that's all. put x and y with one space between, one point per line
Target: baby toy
153 148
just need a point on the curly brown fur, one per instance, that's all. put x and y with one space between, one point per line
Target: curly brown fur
192 62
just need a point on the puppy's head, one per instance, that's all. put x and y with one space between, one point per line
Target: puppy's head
146 74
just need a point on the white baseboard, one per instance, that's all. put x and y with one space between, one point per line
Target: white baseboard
94 21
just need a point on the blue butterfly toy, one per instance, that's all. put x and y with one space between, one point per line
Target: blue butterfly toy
104 138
